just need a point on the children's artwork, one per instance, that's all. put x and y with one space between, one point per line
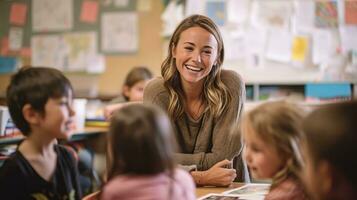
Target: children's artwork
18 14
299 48
351 12
250 190
326 14
79 48
52 15
271 13
15 38
47 50
216 11
119 32
279 46
89 11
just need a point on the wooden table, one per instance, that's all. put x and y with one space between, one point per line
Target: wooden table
201 191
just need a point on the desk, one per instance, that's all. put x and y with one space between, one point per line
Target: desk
88 132
201 191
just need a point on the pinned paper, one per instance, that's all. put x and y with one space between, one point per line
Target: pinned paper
216 11
4 48
299 49
326 14
121 3
143 5
15 38
18 13
321 46
89 11
351 12
279 46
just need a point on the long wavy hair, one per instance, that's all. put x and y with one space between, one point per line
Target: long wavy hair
216 96
279 124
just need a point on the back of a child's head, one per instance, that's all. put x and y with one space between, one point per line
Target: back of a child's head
278 123
331 133
136 75
140 141
34 86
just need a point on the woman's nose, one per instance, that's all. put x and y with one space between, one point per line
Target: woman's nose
197 57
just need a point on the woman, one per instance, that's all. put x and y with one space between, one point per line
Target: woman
203 101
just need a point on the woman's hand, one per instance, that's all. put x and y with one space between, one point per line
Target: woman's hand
218 175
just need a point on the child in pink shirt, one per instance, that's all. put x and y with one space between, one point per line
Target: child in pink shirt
140 153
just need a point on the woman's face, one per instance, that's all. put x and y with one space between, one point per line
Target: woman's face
195 53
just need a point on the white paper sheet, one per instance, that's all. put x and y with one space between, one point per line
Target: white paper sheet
348 38
237 10
121 3
47 50
195 7
119 32
52 15
15 38
304 17
171 17
321 46
279 45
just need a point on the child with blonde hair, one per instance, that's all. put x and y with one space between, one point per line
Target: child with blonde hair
141 157
331 145
272 135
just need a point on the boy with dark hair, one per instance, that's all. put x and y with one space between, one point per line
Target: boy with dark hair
40 104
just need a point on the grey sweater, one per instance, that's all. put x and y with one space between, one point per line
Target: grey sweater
207 140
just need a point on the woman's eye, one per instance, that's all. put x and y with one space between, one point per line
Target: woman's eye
189 48
207 52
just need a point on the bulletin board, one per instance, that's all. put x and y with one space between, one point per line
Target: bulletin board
10 19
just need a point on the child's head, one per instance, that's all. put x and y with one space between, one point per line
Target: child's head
140 141
272 135
33 96
135 82
330 150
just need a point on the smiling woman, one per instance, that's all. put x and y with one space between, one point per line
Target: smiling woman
196 93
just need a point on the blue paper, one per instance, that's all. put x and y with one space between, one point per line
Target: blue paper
7 64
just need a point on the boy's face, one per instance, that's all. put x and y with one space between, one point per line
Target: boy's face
262 158
58 118
136 92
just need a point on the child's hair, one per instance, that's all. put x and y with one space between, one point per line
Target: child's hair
331 133
34 86
136 75
279 123
141 141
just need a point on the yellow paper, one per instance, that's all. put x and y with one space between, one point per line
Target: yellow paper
299 48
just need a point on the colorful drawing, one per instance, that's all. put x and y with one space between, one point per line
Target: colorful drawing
326 14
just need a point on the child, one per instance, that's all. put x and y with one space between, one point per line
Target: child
331 147
133 89
272 135
40 104
140 149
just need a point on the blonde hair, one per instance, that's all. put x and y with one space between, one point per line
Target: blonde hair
215 93
279 123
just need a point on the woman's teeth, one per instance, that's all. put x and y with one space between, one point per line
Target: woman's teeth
195 69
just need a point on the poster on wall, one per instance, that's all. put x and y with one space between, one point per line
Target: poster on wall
119 32
216 10
47 50
52 15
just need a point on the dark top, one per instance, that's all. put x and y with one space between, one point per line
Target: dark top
18 180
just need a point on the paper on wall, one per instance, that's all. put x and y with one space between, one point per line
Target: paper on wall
304 15
299 48
279 45
348 38
47 50
18 13
321 45
237 10
119 32
52 15
195 7
144 5
15 38
121 3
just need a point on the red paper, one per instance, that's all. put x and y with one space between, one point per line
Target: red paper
18 13
25 52
351 12
4 48
89 11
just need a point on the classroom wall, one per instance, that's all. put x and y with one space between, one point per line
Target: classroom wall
150 53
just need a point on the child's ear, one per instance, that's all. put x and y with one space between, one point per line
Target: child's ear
325 173
31 115
126 91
